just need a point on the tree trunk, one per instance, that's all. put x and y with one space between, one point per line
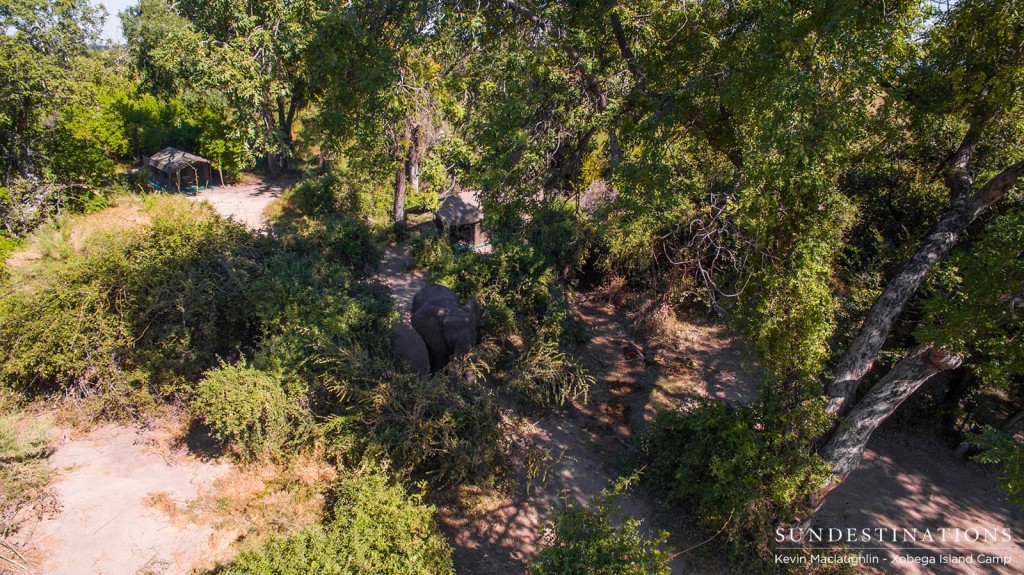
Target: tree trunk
845 448
860 357
400 199
1012 422
615 151
415 161
272 167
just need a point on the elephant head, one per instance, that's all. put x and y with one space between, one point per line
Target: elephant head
446 332
434 294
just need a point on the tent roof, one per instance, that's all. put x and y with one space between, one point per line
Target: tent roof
172 160
461 209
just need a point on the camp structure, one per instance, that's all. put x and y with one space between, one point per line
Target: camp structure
172 169
462 217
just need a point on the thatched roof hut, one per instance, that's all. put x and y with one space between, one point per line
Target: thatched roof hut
174 169
462 215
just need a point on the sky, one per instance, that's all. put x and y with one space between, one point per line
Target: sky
112 27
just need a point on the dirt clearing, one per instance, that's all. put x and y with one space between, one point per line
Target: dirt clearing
107 523
247 201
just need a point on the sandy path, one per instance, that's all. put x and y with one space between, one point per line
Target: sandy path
395 272
109 522
246 201
907 481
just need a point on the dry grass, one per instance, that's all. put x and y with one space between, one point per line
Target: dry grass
26 440
67 236
255 501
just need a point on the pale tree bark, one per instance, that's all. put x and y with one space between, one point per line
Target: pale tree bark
400 198
845 448
964 210
415 160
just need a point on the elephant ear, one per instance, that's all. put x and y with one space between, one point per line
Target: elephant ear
473 309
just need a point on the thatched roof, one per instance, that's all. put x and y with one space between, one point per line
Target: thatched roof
172 160
462 209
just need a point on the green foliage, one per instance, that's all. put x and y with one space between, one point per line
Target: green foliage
442 429
723 461
973 310
244 407
1008 453
546 376
373 528
589 540
563 238
526 313
143 310
315 196
431 251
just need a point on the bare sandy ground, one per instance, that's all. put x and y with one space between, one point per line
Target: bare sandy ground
246 201
109 523
906 482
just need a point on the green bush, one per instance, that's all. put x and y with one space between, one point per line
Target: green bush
547 377
315 196
373 528
141 310
244 407
443 430
727 464
430 251
1002 449
563 239
587 540
522 302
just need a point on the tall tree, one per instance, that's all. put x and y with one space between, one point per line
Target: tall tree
253 53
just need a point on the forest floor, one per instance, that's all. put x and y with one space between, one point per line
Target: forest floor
107 481
590 444
156 499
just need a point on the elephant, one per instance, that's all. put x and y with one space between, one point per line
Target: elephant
447 327
409 346
435 294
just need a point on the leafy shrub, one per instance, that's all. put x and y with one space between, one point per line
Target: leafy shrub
373 528
563 239
587 540
545 376
144 310
244 407
443 429
315 196
1008 453
522 302
721 460
430 251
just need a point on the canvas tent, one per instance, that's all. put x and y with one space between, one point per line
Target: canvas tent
172 169
462 216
